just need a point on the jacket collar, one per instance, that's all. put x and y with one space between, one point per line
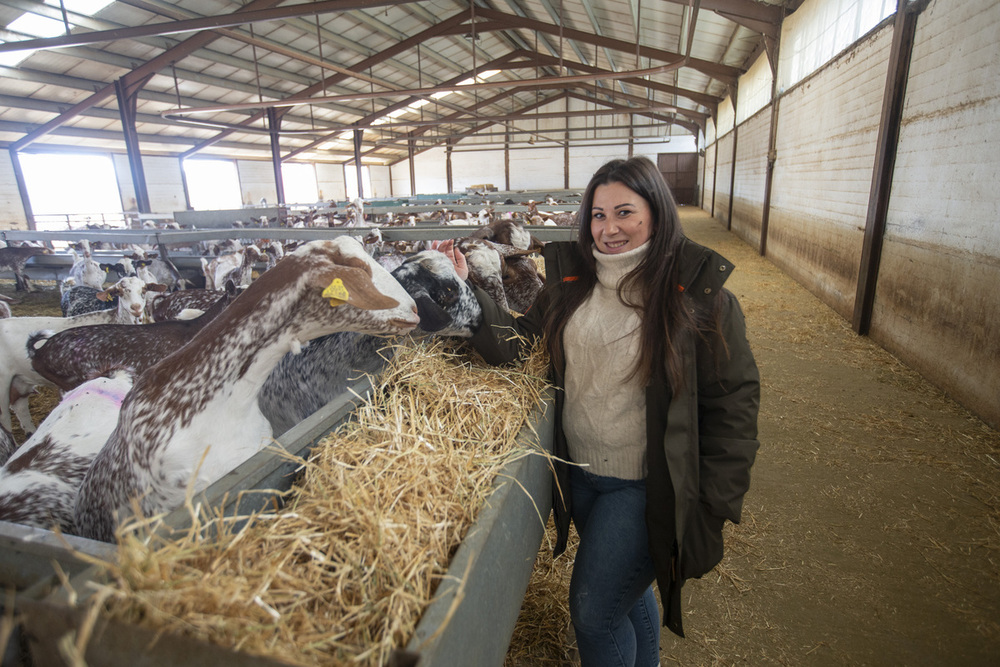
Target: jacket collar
703 271
701 268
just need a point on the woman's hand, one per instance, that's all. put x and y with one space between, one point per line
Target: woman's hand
455 255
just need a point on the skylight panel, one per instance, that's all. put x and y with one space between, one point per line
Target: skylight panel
35 26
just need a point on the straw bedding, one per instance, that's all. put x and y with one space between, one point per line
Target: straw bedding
341 572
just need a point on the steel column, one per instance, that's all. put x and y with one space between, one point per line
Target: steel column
274 125
127 105
903 31
22 188
358 138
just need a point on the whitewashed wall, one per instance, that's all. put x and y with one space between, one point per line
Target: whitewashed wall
123 175
936 303
11 209
330 181
708 185
723 176
381 181
256 182
164 183
827 131
751 170
479 167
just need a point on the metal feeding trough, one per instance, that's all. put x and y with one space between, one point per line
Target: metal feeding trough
469 622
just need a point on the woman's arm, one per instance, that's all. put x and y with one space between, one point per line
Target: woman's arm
728 403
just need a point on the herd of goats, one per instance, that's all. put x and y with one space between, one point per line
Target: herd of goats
166 387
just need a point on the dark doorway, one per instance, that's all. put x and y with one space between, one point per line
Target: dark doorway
680 171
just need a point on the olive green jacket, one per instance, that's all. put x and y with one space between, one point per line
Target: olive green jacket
701 442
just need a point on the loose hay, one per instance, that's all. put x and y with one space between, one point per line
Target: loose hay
341 574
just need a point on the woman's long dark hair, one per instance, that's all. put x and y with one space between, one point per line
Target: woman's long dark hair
655 280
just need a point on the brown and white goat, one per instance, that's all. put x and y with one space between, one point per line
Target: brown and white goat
71 357
193 417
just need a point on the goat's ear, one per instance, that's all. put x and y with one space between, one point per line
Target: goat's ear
156 287
346 284
104 296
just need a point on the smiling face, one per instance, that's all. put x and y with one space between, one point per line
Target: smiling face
620 219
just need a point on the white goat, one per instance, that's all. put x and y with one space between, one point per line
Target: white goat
86 271
193 417
39 482
16 374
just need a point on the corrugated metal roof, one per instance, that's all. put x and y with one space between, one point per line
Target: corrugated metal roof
318 50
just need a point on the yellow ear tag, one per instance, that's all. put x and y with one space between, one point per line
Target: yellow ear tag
336 293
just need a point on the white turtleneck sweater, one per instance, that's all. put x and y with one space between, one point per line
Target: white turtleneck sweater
604 416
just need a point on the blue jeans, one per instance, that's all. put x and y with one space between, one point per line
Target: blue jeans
611 600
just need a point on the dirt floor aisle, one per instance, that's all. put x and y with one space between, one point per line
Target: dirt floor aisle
871 533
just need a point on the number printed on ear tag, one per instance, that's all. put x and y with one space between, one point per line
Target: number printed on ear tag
336 293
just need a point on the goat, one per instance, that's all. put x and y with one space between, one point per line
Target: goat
86 271
223 267
71 357
302 383
7 445
14 258
485 268
79 299
508 232
521 282
17 375
40 480
518 281
193 417
170 305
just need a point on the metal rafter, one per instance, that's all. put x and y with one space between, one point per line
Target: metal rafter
501 21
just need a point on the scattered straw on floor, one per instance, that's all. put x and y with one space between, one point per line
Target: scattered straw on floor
341 574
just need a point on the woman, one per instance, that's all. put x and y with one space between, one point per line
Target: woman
657 417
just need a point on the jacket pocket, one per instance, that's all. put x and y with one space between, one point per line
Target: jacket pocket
702 548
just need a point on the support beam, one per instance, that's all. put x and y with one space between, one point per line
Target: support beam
274 125
358 138
732 170
772 158
359 67
506 162
237 18
757 16
447 166
411 145
22 188
127 105
903 31
501 21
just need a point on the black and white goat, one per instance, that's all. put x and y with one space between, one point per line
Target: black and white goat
171 305
193 417
303 383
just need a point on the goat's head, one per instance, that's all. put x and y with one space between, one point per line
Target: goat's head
445 303
333 285
131 294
